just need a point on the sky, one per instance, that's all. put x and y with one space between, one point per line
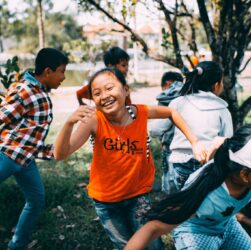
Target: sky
66 6
70 6
58 5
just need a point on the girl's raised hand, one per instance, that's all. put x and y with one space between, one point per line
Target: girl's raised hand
82 114
200 152
216 143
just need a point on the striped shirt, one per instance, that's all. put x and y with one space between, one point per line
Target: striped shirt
25 117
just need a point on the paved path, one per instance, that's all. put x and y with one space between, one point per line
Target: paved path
65 101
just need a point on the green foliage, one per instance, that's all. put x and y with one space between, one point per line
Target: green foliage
5 17
157 156
128 9
11 72
83 51
59 29
166 39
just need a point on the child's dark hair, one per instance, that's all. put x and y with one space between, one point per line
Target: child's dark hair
203 77
180 206
49 58
171 76
111 70
114 56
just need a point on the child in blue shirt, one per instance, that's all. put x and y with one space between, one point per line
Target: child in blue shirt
203 213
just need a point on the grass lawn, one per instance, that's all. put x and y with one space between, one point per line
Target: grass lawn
69 221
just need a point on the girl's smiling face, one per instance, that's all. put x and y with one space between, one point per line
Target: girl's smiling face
108 93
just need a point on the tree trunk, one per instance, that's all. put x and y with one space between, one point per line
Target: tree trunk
244 109
1 45
40 24
230 97
1 35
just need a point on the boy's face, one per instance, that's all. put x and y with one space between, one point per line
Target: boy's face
55 78
122 66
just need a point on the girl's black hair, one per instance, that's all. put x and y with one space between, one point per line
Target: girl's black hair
114 56
112 70
49 58
204 79
178 207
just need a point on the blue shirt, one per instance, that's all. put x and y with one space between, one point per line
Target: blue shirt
215 212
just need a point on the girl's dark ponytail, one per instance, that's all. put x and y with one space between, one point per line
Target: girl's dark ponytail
203 77
178 207
191 84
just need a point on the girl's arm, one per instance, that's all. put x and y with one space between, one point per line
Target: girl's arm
166 112
216 143
244 219
150 231
68 142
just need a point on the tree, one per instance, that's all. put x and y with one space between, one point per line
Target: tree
60 28
40 23
40 6
5 16
228 36
81 50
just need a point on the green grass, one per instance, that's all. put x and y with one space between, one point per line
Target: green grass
69 219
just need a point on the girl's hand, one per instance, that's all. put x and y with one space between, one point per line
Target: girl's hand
200 152
217 141
241 217
82 114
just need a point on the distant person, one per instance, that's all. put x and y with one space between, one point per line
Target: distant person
114 57
194 60
171 84
202 215
204 112
25 116
122 169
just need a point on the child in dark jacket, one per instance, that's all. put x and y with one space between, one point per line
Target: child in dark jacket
171 84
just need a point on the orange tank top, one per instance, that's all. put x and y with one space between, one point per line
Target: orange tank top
120 168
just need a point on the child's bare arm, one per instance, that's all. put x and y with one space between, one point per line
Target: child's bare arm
68 142
166 112
216 143
244 219
150 231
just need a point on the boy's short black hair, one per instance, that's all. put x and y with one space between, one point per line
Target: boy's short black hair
114 56
171 76
51 58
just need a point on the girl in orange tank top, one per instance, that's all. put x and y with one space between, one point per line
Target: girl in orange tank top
122 169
